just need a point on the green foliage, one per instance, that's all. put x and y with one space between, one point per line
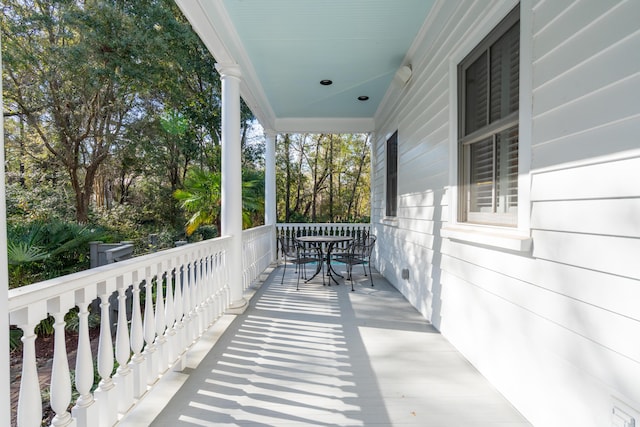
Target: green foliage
23 252
15 336
43 250
323 177
72 321
201 197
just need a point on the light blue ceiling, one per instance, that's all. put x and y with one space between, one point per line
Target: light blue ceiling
293 44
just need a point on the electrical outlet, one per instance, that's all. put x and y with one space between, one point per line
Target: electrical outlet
623 415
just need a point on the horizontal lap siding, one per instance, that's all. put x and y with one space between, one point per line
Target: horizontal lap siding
563 319
585 213
421 117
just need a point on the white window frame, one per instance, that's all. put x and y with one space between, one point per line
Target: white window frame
512 238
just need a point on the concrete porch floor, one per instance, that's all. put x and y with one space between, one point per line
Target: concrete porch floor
326 356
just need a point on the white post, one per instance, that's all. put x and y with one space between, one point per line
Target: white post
270 216
4 285
231 200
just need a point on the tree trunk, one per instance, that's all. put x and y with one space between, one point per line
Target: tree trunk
357 180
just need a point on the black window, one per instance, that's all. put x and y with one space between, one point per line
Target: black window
392 175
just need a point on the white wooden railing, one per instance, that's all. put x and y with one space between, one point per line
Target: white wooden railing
175 295
288 230
258 247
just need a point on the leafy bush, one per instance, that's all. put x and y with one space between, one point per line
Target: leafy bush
42 250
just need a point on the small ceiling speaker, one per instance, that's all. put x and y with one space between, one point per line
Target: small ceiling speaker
403 74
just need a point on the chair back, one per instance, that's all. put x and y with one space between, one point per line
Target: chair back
288 247
363 248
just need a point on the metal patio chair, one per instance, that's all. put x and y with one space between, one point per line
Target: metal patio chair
359 252
299 255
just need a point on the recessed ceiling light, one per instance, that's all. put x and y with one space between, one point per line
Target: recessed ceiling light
363 98
326 82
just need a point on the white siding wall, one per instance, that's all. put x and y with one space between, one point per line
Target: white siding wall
557 330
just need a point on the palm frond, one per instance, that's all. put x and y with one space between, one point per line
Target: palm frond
24 252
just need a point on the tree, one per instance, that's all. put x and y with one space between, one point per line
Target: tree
81 74
323 177
201 198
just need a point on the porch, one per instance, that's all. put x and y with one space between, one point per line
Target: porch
320 356
324 356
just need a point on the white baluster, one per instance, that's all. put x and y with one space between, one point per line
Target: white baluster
178 301
60 389
170 318
204 289
105 393
214 286
161 323
226 285
29 400
86 409
200 293
150 332
193 288
138 363
123 379
186 299
215 296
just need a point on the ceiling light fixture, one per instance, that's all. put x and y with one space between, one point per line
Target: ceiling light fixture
363 98
326 82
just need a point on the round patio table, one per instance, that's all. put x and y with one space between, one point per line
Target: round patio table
329 242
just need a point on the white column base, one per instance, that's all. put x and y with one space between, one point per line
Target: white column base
237 307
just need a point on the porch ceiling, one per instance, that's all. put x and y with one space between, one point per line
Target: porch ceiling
286 47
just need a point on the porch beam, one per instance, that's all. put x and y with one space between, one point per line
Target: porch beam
231 197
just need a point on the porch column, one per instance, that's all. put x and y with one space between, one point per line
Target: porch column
4 284
270 217
231 197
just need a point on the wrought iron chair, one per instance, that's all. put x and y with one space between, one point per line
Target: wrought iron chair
300 255
359 252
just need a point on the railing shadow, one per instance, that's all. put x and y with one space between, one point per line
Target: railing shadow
292 358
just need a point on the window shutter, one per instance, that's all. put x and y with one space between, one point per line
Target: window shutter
505 57
481 176
476 95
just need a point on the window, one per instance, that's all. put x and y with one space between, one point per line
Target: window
392 175
488 129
